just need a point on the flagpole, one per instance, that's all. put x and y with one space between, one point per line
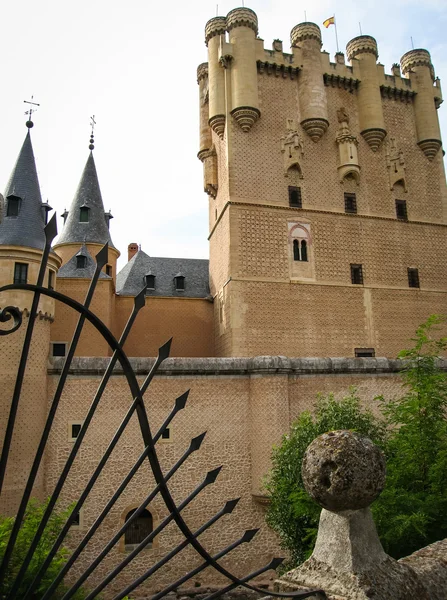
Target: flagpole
336 34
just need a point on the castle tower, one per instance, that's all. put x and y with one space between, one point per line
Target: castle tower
362 52
85 232
22 240
328 226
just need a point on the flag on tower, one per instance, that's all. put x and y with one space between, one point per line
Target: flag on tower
330 21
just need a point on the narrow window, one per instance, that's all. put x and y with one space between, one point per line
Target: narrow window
304 250
20 273
179 283
138 529
357 274
401 210
296 250
109 270
166 435
150 282
365 352
59 348
81 262
295 197
75 429
51 280
12 208
76 522
350 203
83 215
413 278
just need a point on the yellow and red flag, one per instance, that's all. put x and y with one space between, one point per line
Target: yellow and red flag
330 21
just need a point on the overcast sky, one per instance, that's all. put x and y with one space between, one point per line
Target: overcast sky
133 65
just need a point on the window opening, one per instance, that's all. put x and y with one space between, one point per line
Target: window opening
83 215
150 282
179 283
296 250
81 262
59 348
401 210
139 529
75 429
413 278
350 203
51 280
304 250
295 197
76 520
20 273
13 206
109 270
364 352
357 274
166 435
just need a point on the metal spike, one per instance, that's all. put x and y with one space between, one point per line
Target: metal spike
249 535
163 351
103 256
230 506
51 229
211 476
140 299
197 442
180 402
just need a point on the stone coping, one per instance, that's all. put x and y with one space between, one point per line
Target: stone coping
238 366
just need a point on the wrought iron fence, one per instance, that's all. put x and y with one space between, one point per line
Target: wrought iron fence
148 456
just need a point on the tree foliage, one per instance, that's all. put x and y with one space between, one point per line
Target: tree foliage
33 516
412 510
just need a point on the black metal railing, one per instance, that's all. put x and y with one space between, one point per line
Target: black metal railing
149 455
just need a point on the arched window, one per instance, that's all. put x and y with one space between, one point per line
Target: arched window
139 529
304 250
296 250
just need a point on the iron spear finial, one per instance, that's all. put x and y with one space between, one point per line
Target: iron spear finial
30 112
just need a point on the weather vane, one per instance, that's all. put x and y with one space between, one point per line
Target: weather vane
30 112
92 138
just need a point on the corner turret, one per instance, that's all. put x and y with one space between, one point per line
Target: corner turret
214 36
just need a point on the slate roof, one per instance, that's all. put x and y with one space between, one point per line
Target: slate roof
131 279
27 229
70 268
88 194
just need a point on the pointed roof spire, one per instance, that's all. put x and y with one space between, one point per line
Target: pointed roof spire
23 222
86 220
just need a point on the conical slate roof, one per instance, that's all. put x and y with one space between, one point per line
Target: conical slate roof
71 270
88 195
27 228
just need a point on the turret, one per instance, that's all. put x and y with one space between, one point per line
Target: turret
363 49
87 222
242 26
311 90
417 64
214 37
207 152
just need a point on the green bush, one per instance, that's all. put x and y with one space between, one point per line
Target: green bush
33 517
412 510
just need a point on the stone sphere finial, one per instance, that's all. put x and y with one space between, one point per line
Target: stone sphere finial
343 470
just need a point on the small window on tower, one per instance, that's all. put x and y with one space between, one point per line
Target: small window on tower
295 197
81 262
179 283
364 352
109 270
74 428
357 274
150 282
20 273
166 435
59 348
413 278
350 203
13 206
84 216
401 210
51 280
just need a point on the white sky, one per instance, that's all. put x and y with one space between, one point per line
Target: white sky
133 65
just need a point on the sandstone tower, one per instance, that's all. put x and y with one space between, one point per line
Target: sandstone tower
22 240
327 193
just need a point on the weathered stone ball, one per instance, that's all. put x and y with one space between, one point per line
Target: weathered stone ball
343 470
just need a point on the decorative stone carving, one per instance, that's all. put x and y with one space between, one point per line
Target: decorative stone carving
315 128
217 124
210 175
374 137
292 147
225 60
395 163
347 148
245 117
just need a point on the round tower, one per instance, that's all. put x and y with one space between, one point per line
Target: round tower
242 26
206 140
311 90
372 125
214 36
417 64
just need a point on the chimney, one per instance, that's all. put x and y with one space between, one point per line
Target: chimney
132 249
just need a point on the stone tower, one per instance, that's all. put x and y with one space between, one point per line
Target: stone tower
86 230
327 193
22 240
